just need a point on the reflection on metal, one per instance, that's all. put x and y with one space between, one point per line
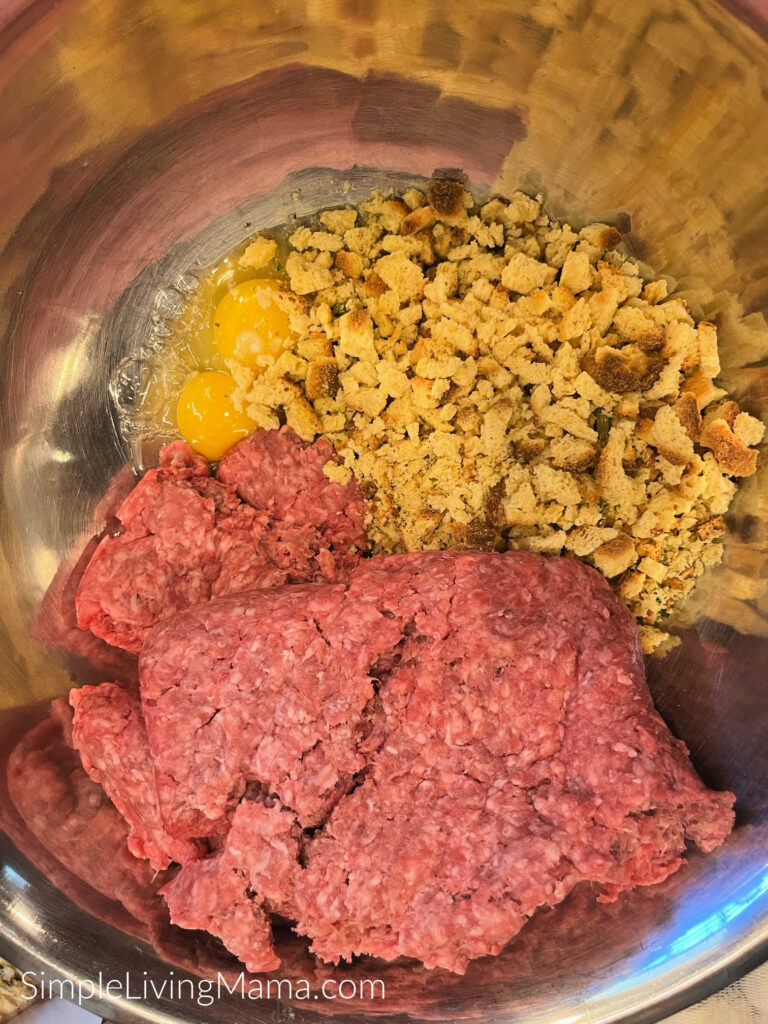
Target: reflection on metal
139 141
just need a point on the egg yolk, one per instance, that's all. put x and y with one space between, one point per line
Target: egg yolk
206 417
249 323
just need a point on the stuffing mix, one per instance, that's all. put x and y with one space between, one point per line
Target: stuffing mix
495 379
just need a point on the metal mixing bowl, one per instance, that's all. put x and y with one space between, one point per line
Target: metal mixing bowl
139 140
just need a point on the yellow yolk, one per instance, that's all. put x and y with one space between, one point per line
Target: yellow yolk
248 323
206 417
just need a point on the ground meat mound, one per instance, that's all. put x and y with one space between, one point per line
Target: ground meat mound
231 893
72 817
270 517
108 732
285 478
428 753
270 687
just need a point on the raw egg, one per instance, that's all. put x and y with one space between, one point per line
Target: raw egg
206 417
249 323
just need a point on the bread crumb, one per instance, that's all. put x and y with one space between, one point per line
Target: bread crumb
403 276
524 275
576 274
306 276
615 556
656 641
259 253
338 221
731 453
749 430
339 474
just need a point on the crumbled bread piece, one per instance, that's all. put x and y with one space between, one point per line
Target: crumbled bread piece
702 389
259 253
614 484
727 411
602 308
414 198
523 274
418 220
356 335
489 235
391 213
655 291
337 473
371 401
584 539
556 485
363 239
402 275
544 543
623 370
630 585
306 276
615 556
748 429
316 346
572 454
349 263
670 438
628 407
561 299
652 568
731 453
687 411
569 421
521 210
444 284
322 379
637 325
559 243
446 197
418 247
652 548
656 641
447 367
576 321
600 237
455 336
576 274
588 388
375 287
709 361
338 221
714 527
323 241
301 417
527 448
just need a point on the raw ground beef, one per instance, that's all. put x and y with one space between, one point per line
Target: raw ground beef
210 894
186 537
108 732
71 816
65 824
271 687
283 476
55 620
462 738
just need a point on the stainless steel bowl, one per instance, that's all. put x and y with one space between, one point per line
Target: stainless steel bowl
140 139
